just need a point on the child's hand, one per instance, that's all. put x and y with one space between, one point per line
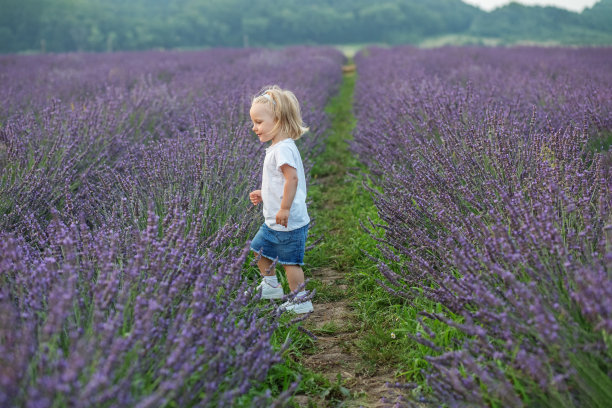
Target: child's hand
255 197
282 217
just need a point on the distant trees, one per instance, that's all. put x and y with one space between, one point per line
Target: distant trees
96 25
600 16
518 22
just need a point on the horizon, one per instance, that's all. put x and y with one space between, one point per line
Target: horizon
576 6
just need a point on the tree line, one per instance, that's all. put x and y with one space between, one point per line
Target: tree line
108 25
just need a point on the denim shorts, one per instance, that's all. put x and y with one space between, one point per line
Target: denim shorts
287 246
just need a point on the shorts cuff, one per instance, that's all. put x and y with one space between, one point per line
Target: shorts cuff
278 261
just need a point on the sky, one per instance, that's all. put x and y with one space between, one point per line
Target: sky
573 5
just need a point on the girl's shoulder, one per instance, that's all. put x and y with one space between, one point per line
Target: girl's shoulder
285 144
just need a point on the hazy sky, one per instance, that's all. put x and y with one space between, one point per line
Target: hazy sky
574 5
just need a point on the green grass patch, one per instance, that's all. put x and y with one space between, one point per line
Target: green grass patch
326 292
600 142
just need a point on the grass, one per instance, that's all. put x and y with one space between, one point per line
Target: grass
326 292
338 198
600 142
458 40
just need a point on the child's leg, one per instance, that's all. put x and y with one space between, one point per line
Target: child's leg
295 276
269 286
264 267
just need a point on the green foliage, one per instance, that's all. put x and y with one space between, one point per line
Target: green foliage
595 383
516 22
91 25
599 16
601 142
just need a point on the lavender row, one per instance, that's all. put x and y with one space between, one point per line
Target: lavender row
124 197
497 204
109 142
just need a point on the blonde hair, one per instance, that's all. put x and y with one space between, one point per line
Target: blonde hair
286 108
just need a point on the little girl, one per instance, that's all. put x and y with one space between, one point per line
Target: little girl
277 119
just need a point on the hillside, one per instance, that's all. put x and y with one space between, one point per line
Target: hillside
599 17
92 25
515 22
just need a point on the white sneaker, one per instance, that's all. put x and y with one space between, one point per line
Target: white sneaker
299 308
270 292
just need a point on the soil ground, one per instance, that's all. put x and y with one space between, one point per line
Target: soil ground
337 358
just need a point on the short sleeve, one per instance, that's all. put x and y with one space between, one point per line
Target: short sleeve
285 155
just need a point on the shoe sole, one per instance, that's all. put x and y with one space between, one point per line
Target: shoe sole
279 296
300 309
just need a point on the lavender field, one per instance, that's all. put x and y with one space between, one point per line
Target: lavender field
124 217
484 278
491 173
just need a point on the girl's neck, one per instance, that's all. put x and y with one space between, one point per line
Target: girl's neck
279 138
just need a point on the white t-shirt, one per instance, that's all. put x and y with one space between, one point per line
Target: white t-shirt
273 182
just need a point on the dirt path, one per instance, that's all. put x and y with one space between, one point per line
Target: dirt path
337 357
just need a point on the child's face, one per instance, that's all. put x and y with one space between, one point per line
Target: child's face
263 122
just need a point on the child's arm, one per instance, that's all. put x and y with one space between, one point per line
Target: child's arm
289 189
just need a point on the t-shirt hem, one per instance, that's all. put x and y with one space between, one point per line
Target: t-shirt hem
283 229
